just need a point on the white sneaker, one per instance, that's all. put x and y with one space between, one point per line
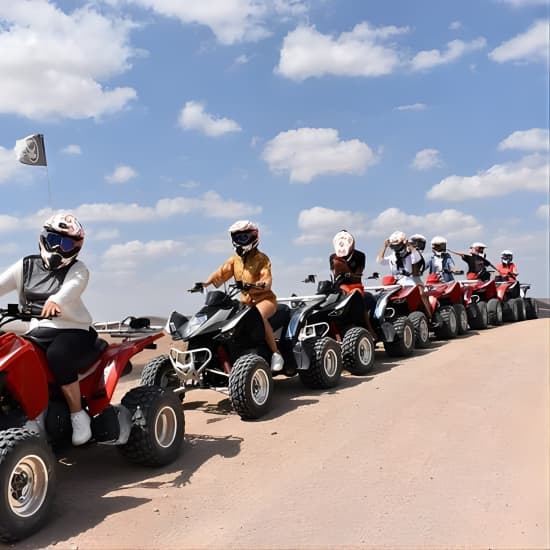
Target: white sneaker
277 362
82 431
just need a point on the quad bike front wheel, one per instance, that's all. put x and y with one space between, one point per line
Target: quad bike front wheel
403 345
158 426
462 318
421 329
160 372
449 324
326 365
494 307
478 316
510 311
27 483
531 308
358 351
251 386
522 311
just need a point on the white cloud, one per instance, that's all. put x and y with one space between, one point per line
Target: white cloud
72 150
132 253
194 117
310 152
320 224
242 59
455 49
412 107
531 173
426 159
531 45
455 25
543 212
121 174
523 3
535 139
53 63
9 166
103 234
362 52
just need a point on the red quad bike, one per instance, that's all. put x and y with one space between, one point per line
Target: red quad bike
450 297
515 304
148 426
482 301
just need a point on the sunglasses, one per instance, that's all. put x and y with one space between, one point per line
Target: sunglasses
66 244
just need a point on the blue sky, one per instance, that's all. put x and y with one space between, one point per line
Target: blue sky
167 120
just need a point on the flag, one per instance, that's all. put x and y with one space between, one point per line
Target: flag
31 150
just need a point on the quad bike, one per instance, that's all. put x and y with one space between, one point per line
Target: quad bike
343 310
516 306
483 304
147 427
452 308
226 350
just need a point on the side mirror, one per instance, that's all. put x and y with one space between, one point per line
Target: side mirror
309 279
375 275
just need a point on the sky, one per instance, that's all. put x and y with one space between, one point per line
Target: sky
167 120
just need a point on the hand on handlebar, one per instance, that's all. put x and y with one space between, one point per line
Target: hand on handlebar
50 309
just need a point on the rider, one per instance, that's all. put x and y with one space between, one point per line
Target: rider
419 242
441 261
249 265
50 285
507 268
348 262
477 261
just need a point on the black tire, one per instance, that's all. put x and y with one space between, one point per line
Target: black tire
358 351
449 324
160 372
27 483
510 311
158 426
494 308
251 386
462 318
403 345
421 329
522 311
481 320
531 308
325 366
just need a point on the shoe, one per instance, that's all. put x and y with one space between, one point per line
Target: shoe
82 432
277 362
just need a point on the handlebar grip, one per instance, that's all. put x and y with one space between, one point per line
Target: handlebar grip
199 287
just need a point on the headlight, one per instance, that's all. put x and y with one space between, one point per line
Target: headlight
193 324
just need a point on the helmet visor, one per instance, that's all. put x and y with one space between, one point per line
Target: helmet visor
242 238
397 247
55 240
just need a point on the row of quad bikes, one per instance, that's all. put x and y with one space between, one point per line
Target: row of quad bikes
223 347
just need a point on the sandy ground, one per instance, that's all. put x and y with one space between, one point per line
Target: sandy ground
446 449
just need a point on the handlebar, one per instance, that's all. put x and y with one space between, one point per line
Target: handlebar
198 287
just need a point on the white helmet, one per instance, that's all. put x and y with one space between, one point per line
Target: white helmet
506 256
398 240
343 243
478 248
244 236
418 241
439 244
61 240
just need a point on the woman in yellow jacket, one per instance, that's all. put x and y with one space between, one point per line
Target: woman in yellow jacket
249 265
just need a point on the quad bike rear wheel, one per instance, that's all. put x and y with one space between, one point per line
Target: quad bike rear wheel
421 329
531 308
358 351
403 345
494 307
250 386
158 426
160 372
522 312
510 311
462 318
325 366
27 483
479 316
448 328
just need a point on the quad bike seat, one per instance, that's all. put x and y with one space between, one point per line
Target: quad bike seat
432 279
88 362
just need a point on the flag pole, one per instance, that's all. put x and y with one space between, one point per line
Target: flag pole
49 188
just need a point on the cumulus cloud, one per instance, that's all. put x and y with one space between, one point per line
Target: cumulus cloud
532 45
194 117
121 174
9 166
72 150
412 107
455 50
365 51
426 159
455 25
310 152
132 253
54 64
535 139
543 211
531 173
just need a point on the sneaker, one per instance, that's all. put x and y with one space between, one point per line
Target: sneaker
82 431
277 362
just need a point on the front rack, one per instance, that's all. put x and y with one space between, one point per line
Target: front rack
127 328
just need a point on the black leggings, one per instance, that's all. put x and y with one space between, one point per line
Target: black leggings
64 348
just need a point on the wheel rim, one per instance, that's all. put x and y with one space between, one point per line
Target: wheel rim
408 336
259 387
424 331
166 427
330 363
364 351
28 486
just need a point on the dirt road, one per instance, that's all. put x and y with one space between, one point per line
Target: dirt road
449 448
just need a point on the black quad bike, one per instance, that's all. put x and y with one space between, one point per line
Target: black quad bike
225 349
147 426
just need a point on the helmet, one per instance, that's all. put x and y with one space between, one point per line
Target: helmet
418 241
343 243
244 236
506 256
478 248
439 244
398 240
61 239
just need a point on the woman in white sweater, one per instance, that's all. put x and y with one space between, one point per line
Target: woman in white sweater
50 285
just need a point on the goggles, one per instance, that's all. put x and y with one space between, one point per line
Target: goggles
242 238
64 243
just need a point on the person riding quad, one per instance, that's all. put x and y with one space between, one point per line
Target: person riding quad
347 265
401 260
50 285
441 262
477 261
250 266
507 271
419 242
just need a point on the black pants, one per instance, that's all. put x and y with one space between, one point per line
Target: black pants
66 350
